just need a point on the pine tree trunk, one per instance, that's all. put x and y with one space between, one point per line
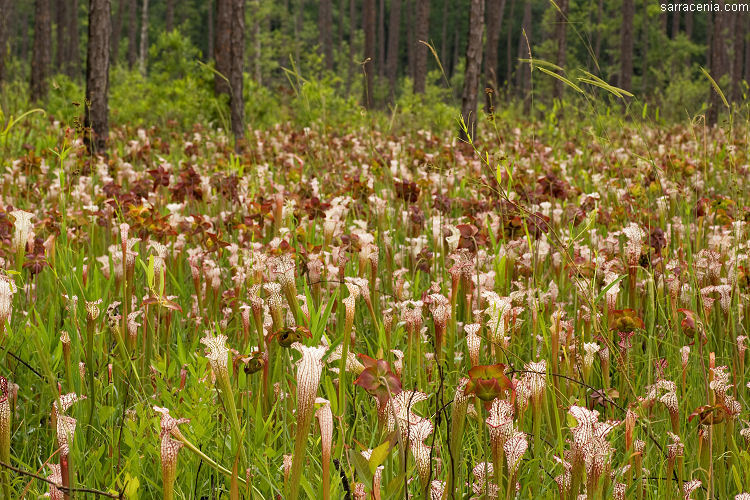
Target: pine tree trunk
6 6
645 43
444 35
738 48
509 48
394 30
257 53
222 45
473 66
380 62
132 33
422 34
117 32
352 34
169 16
41 57
689 25
325 26
210 29
410 39
97 76
61 24
626 45
495 10
144 37
561 36
73 58
523 72
719 62
675 24
237 55
368 23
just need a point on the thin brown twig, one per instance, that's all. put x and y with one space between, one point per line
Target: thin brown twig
60 487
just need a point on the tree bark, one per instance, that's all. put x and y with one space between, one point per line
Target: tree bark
117 32
61 23
237 55
380 62
524 52
495 10
325 27
368 23
689 25
675 24
469 96
509 48
210 22
73 64
169 16
352 32
420 49
410 39
561 36
394 30
719 62
132 33
444 35
97 76
645 43
144 37
257 53
6 6
222 45
626 45
41 57
738 48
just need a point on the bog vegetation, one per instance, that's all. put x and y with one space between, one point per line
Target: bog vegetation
546 297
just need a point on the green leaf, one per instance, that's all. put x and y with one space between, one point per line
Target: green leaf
361 466
379 455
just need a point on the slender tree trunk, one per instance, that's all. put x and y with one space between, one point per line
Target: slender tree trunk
352 35
645 43
689 25
73 65
457 42
41 58
144 37
561 36
509 47
420 49
340 24
117 32
222 46
719 62
368 23
169 15
524 52
6 6
257 53
626 45
325 26
61 23
381 38
237 56
394 30
444 35
410 49
97 76
675 24
494 17
738 48
132 32
473 66
210 22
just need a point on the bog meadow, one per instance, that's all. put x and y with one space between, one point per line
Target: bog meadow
374 249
